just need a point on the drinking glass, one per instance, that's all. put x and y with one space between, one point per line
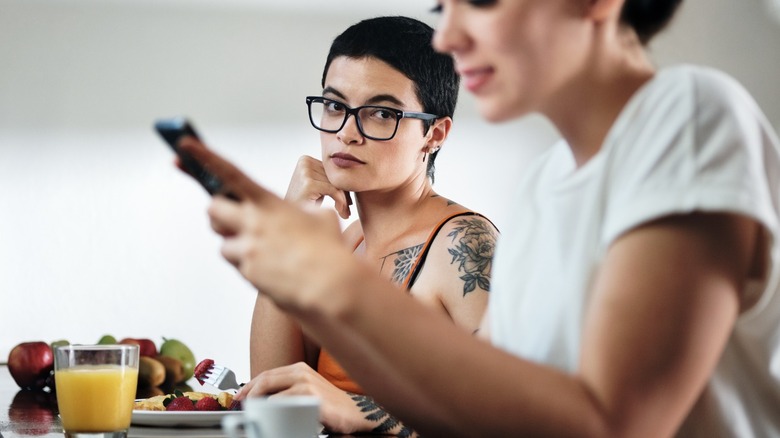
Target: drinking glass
96 387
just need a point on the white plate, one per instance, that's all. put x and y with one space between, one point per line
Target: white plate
180 418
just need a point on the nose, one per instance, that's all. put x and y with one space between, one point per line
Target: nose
349 133
449 36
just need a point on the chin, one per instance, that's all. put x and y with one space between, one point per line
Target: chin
500 110
344 184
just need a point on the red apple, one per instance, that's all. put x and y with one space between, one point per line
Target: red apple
146 347
31 364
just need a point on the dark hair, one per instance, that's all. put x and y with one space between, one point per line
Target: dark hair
648 17
405 44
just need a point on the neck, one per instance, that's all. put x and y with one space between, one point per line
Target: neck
384 216
587 107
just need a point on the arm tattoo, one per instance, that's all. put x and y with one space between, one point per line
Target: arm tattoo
377 414
404 261
473 253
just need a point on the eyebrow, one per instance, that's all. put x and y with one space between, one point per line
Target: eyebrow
379 98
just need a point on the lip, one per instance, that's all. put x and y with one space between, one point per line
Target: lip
345 160
475 78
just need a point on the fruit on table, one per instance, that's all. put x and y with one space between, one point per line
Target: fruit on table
174 370
146 346
151 372
31 364
176 349
58 343
107 340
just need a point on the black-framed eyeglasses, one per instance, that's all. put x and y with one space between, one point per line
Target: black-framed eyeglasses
374 122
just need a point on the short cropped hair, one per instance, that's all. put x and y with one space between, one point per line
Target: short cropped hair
406 45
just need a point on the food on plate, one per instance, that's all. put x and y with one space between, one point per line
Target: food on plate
208 404
188 401
180 404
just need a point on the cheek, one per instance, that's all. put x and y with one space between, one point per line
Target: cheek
408 145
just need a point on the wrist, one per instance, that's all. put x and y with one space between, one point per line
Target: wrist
332 289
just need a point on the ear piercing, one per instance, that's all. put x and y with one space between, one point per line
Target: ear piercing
429 151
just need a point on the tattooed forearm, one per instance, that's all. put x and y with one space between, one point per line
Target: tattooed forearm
473 252
376 414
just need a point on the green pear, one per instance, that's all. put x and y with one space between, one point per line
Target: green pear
177 350
107 340
59 343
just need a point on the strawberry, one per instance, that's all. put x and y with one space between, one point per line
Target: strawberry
180 404
202 369
208 404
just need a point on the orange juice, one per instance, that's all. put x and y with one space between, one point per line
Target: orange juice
96 398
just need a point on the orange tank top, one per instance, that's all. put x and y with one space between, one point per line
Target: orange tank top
327 365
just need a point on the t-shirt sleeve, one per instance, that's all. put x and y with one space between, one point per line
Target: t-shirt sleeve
698 142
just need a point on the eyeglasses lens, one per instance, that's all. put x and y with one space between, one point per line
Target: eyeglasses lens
375 121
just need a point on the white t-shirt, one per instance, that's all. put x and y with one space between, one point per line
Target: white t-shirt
691 139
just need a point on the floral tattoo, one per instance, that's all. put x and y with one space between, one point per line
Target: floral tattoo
404 262
377 414
473 252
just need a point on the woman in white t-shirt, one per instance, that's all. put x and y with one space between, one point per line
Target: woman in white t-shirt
634 290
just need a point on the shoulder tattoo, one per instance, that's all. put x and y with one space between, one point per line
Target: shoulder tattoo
403 262
473 243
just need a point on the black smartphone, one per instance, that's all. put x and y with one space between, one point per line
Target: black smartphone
174 129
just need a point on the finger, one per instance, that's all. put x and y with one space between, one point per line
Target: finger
232 250
235 181
273 383
295 390
342 202
225 216
246 390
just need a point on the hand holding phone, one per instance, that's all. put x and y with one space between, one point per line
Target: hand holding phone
172 131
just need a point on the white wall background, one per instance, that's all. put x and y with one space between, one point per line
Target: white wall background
100 234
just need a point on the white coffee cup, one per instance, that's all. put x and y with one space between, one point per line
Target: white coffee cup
295 416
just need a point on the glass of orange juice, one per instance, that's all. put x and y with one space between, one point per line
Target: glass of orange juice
96 389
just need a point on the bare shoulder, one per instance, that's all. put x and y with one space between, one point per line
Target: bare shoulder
469 243
353 234
458 267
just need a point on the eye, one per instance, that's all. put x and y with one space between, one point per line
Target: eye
333 106
437 9
383 114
